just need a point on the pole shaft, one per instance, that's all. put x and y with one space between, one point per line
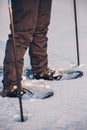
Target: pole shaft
76 31
15 59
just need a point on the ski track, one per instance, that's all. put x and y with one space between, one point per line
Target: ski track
67 109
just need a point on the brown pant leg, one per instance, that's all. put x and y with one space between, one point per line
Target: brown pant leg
38 47
24 14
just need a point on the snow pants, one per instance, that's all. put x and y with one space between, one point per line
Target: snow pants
31 20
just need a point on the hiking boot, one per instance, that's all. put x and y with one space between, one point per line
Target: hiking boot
11 91
48 75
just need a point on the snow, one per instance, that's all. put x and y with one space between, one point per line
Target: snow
67 109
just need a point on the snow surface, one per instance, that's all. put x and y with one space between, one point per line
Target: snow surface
67 109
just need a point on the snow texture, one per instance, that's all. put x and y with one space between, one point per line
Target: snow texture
67 109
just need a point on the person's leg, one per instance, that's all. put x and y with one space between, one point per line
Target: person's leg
38 47
24 15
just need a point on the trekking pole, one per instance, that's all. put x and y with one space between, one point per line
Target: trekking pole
15 59
76 31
